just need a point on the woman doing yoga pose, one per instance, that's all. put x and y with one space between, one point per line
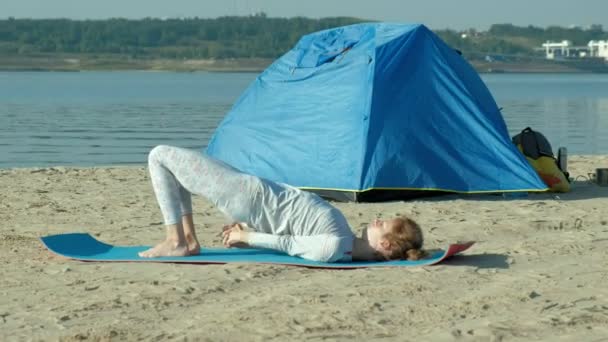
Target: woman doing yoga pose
265 214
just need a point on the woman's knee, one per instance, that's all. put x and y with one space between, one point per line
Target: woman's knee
157 152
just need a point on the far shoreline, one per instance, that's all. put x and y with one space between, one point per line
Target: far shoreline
78 63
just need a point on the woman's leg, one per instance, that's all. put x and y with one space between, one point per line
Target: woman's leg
187 221
175 203
175 174
194 247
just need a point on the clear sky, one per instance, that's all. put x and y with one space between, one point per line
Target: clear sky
436 14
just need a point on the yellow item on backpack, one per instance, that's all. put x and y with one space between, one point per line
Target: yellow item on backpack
549 172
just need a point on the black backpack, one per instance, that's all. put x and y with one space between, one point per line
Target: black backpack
535 145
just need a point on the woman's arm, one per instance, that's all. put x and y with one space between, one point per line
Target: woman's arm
323 247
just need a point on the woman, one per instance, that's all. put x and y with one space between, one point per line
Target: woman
278 216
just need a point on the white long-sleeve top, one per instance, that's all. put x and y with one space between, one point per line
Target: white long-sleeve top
296 222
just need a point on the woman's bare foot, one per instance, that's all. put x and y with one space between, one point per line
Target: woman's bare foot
194 248
166 248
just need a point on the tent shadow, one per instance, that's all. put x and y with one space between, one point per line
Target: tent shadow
580 190
479 261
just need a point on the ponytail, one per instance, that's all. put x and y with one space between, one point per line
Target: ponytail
414 254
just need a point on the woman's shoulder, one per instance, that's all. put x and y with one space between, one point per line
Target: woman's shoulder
338 248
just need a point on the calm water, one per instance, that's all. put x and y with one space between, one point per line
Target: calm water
110 118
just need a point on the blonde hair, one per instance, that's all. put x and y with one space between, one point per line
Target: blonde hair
405 240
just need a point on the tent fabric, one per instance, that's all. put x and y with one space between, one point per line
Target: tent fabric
373 107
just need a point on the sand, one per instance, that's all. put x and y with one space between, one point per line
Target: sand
539 270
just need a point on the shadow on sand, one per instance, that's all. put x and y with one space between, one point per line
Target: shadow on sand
479 260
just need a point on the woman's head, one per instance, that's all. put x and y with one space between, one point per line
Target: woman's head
395 239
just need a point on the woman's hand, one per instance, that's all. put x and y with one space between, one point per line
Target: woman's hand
242 225
234 236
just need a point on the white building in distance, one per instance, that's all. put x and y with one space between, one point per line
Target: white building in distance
565 49
598 48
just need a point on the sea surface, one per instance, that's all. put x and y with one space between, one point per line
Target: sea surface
115 118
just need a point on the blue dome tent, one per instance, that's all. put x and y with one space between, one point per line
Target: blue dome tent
371 112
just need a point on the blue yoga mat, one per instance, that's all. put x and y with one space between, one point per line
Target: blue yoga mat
84 247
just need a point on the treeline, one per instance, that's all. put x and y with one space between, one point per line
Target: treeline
238 37
226 37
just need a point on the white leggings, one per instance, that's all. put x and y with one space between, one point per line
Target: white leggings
176 173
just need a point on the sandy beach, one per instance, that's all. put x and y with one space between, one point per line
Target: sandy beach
539 270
